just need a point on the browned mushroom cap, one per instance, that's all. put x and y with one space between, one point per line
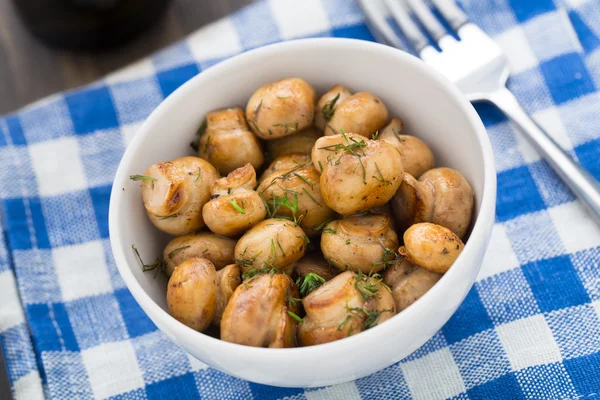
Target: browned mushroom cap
192 293
453 199
272 243
175 191
408 282
260 313
431 246
344 306
228 279
227 142
360 175
363 243
323 150
215 248
285 163
315 263
234 206
281 108
301 142
362 113
412 203
299 187
417 157
328 103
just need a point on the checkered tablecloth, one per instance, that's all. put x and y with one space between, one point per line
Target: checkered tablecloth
530 328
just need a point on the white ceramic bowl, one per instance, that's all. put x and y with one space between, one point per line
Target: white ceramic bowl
431 108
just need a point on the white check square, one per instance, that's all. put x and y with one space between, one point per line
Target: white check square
57 166
516 47
218 39
81 270
112 369
434 376
345 391
576 229
296 19
528 342
499 256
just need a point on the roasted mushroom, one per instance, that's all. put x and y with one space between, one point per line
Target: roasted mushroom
324 148
272 243
365 243
441 196
192 293
215 248
417 157
361 174
431 246
228 279
295 193
346 305
285 163
301 142
408 282
175 191
328 103
281 108
227 142
262 312
234 206
315 264
362 113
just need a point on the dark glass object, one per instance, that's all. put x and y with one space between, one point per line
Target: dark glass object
88 24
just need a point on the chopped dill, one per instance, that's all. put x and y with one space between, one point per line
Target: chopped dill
235 205
309 283
329 108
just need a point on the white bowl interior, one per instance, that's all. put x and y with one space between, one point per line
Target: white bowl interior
430 108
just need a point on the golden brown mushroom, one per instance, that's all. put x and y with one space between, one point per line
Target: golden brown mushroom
228 279
281 108
408 282
228 143
431 246
261 312
175 191
285 163
345 305
417 157
300 188
362 113
328 103
361 174
272 243
192 293
234 206
215 248
441 196
324 148
363 243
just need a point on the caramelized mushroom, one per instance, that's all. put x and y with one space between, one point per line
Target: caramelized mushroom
175 191
408 282
281 108
301 142
227 142
362 113
215 248
261 312
228 279
345 305
360 175
364 243
285 163
192 293
272 243
328 103
296 193
234 206
431 246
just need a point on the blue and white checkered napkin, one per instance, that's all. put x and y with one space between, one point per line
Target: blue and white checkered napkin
530 328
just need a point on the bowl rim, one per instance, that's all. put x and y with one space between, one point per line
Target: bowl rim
480 232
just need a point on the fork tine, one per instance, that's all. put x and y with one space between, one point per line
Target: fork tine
455 17
435 29
412 32
379 27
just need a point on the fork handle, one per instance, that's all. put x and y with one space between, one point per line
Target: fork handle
580 181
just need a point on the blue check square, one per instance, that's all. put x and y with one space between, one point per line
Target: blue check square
470 318
92 109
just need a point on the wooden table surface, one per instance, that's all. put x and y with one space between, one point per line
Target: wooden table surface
30 71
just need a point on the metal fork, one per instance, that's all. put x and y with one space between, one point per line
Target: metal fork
477 65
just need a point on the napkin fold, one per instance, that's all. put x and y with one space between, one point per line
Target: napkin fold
530 327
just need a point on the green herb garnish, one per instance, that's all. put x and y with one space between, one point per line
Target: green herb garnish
380 178
293 315
309 283
199 175
235 205
172 253
142 178
157 265
329 108
169 216
194 144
